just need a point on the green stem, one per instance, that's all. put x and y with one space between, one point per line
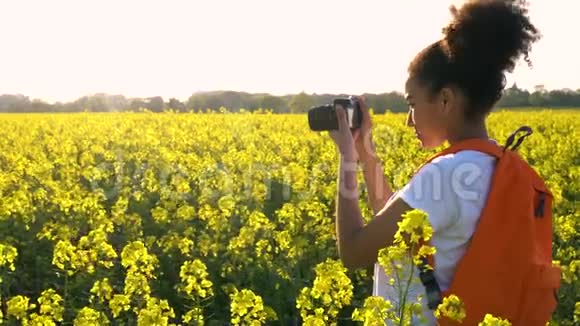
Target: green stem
398 284
407 287
64 296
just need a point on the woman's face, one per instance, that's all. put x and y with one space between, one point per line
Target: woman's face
427 115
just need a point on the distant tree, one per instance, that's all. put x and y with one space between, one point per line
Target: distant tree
136 104
38 105
564 97
539 98
514 97
100 102
196 102
91 103
155 104
116 102
300 103
12 103
250 102
277 104
230 100
396 102
176 104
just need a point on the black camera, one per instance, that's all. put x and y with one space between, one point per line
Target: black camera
323 118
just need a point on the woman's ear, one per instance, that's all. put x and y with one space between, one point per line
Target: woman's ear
447 99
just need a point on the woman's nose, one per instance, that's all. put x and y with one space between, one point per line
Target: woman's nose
409 120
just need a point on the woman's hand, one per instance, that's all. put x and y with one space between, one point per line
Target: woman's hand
344 138
356 144
363 136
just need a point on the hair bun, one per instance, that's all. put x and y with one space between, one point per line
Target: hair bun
484 39
489 35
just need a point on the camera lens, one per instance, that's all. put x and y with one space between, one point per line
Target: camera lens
322 118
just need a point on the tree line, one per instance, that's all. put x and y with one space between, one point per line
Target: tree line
513 97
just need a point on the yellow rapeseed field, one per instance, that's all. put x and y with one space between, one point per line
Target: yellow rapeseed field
217 218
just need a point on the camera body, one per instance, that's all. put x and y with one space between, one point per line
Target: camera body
323 118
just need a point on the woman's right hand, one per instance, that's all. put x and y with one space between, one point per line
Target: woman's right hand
363 139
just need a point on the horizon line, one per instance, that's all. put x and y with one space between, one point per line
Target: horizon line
32 98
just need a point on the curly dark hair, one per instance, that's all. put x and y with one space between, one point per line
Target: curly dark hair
484 40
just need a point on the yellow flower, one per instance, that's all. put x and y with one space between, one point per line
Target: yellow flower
375 311
102 289
51 305
415 224
331 291
314 321
194 276
451 307
160 214
40 320
136 258
185 245
157 312
424 252
90 251
247 308
119 303
18 307
90 317
194 316
490 320
7 256
136 284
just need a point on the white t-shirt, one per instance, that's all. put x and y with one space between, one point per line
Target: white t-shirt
452 190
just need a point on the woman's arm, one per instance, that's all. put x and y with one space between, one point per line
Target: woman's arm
358 244
348 214
378 189
377 186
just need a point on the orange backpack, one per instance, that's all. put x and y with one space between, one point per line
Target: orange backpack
507 269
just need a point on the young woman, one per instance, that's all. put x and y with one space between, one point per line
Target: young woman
451 88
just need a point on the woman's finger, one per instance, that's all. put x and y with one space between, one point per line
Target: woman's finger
341 117
364 108
356 134
361 100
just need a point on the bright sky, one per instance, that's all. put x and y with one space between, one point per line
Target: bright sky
61 50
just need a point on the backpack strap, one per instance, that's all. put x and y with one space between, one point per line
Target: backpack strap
511 138
427 275
432 289
477 144
486 146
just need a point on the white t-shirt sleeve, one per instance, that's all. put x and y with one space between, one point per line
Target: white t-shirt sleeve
430 191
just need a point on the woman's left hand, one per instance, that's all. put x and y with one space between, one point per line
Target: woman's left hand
344 138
